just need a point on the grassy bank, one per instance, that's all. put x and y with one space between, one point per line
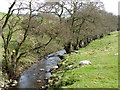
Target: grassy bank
1 14
103 73
1 49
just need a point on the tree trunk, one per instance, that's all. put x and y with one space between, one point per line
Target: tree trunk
80 44
75 45
67 47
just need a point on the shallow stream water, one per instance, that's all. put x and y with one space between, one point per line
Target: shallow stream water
38 74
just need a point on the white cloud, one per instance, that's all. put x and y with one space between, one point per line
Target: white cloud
111 6
4 5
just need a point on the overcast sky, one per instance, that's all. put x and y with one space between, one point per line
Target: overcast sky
110 5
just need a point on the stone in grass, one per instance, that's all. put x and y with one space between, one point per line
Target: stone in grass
13 85
42 69
76 51
15 82
38 81
55 67
2 86
7 81
43 87
70 66
50 81
116 54
85 62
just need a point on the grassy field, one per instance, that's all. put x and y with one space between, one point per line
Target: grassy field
103 73
1 14
0 48
1 79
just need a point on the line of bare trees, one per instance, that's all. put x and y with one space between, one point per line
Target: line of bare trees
85 22
37 27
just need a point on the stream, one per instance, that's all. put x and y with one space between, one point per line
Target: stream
38 74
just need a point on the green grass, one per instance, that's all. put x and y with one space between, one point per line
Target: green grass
32 57
1 14
1 78
103 73
1 53
1 48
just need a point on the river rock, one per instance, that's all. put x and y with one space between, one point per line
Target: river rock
58 53
15 82
52 62
7 81
50 81
43 86
55 67
42 69
13 85
61 52
48 75
2 86
38 81
59 77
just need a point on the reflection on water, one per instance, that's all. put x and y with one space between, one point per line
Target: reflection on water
51 62
35 76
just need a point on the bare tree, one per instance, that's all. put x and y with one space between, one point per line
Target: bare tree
11 28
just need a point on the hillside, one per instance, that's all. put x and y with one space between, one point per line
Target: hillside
102 73
1 14
0 48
